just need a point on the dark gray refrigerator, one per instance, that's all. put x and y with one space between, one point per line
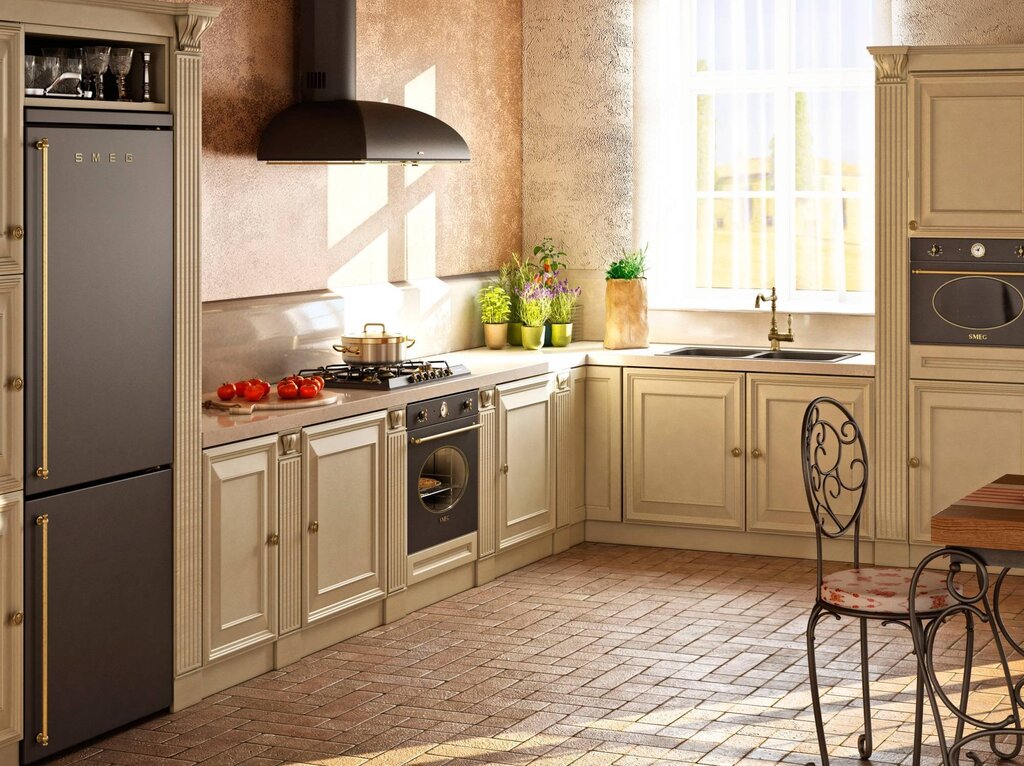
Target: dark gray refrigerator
98 423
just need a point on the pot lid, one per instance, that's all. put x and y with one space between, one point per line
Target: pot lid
374 338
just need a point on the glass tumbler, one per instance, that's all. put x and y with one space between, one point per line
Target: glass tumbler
97 59
120 66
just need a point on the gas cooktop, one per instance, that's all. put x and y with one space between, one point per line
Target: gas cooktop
386 377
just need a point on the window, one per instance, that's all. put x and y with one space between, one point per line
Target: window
755 130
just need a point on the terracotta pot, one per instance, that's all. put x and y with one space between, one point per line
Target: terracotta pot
533 337
625 313
561 335
495 335
515 333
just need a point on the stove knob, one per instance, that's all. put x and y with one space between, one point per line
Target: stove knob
421 416
1019 251
935 251
468 405
444 409
415 377
447 371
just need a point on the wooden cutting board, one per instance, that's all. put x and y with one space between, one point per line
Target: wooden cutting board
272 402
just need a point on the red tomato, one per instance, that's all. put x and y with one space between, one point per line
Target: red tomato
308 390
226 392
265 387
240 387
253 393
288 389
319 382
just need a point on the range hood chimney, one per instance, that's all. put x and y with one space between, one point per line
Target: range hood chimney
329 125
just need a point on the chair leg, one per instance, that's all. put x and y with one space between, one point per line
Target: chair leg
918 718
965 690
864 744
812 670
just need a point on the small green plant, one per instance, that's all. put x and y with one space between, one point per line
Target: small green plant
514 275
563 301
550 260
495 304
632 265
534 304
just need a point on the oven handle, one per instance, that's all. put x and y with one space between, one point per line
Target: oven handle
424 439
939 272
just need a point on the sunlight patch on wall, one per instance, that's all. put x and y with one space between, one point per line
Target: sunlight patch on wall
421 239
354 194
421 94
368 267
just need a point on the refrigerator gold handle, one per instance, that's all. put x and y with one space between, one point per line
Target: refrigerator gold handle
43 737
43 145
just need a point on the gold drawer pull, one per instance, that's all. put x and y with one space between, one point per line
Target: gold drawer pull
736 452
43 737
756 453
274 539
17 618
504 469
17 232
914 462
17 384
43 145
314 527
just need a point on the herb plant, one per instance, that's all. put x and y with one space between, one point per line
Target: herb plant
632 265
514 275
563 301
534 304
495 304
551 260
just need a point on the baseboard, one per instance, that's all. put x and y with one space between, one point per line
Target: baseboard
301 643
891 553
514 558
10 755
427 592
223 674
566 537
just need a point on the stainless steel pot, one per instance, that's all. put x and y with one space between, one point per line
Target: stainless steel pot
374 347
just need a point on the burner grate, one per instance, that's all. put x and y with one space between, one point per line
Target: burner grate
386 376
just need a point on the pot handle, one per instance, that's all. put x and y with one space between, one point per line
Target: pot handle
375 324
411 343
347 350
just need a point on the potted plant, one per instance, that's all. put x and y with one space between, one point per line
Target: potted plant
563 302
534 309
514 275
495 308
625 301
549 262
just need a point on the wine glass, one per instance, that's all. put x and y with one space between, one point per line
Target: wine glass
120 65
97 59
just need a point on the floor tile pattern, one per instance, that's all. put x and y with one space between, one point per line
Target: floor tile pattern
600 655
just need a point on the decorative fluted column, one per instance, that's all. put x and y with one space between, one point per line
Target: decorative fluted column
186 104
892 351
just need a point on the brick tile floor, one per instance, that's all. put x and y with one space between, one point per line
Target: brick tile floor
600 655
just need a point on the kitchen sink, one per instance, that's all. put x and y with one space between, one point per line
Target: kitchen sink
793 355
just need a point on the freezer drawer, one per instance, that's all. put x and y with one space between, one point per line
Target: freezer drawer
108 296
108 627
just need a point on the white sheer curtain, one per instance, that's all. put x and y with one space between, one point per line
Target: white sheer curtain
755 151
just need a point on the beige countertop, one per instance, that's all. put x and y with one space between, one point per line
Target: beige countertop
490 368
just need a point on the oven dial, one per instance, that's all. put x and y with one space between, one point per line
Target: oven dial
468 405
421 416
1019 252
935 250
444 409
978 250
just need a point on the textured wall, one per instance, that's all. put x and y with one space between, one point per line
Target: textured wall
269 230
578 126
957 22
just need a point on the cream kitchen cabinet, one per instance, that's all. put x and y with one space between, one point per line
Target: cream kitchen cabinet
776 501
343 515
12 223
962 436
526 460
683 448
967 152
12 616
602 448
240 541
11 384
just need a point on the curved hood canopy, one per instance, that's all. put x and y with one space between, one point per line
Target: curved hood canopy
329 125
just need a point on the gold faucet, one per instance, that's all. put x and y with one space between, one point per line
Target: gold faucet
773 332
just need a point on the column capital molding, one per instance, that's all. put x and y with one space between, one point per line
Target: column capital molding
891 68
191 26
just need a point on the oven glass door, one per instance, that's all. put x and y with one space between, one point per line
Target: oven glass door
967 308
443 478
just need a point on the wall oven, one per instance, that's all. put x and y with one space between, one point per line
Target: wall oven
443 457
967 292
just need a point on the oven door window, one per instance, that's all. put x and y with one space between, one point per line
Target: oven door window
978 303
443 479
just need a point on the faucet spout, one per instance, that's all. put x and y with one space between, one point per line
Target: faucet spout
774 336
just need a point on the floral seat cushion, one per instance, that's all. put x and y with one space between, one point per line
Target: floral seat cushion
879 589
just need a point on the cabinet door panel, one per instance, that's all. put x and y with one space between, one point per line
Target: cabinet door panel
12 397
776 500
12 69
965 436
970 151
681 428
603 443
526 493
11 631
241 594
343 477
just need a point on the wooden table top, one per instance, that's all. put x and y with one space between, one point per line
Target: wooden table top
991 517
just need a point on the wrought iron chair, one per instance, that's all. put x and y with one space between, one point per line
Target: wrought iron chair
835 466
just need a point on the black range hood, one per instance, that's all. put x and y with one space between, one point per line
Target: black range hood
329 125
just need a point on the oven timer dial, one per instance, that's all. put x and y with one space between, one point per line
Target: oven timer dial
444 409
421 416
1019 251
935 250
978 250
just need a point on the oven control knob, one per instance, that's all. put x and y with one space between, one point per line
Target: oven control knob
1019 251
978 250
421 416
935 251
444 409
468 405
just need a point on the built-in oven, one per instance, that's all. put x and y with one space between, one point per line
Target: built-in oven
444 452
967 291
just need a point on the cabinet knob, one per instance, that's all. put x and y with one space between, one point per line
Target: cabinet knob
17 384
17 232
314 527
736 452
17 618
274 539
914 462
913 226
504 468
755 453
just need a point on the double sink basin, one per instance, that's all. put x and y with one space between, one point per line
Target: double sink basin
790 355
